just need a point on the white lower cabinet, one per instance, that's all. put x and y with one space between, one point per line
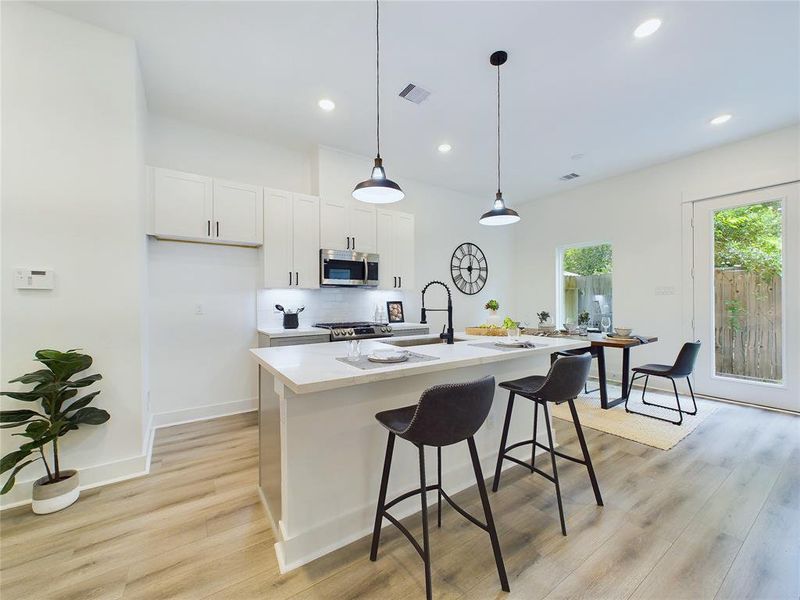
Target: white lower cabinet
395 244
195 208
291 240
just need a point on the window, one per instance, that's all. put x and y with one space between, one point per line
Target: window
585 285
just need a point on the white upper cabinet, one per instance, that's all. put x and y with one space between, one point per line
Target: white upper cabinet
395 239
237 213
185 206
181 204
348 225
291 240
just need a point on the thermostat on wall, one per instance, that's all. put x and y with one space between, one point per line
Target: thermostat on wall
33 279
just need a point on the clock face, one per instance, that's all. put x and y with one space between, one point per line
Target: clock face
469 268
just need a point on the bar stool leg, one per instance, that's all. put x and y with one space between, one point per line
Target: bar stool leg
426 549
535 428
376 532
487 511
503 440
555 469
585 449
439 486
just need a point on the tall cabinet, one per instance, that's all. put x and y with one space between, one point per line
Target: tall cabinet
291 240
347 224
395 245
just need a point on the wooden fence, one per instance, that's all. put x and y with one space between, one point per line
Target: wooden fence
748 325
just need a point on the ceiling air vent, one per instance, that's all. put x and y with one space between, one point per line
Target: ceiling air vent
414 93
569 176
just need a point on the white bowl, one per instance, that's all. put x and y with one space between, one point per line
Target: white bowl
622 331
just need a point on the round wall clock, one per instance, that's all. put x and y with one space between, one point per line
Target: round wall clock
469 268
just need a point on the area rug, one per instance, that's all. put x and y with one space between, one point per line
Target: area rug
644 430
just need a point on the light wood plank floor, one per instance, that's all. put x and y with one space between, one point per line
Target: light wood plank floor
718 516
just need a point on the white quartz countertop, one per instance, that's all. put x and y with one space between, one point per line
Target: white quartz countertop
314 368
280 332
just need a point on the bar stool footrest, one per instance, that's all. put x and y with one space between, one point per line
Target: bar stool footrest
406 533
464 513
408 495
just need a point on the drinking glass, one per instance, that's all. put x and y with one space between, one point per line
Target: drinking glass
513 332
605 323
353 350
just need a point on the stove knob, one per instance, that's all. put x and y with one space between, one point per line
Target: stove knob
388 329
336 332
351 332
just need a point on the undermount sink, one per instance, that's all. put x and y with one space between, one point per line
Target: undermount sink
428 341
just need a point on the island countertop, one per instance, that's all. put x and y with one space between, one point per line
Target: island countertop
314 368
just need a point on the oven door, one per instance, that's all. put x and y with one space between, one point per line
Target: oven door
342 268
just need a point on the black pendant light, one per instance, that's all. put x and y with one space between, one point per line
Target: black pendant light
378 189
500 213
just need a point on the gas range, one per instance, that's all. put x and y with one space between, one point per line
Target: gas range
356 330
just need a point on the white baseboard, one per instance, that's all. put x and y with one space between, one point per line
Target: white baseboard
135 466
201 413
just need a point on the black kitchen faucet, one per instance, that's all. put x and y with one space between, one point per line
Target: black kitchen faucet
445 336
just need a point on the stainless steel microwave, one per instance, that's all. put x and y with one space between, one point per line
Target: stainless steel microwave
345 268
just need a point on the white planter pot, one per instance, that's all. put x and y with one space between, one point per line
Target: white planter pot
494 318
51 497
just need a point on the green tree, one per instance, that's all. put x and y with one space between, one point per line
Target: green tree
588 260
749 237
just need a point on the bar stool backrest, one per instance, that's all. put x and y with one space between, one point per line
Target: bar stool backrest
566 378
450 413
684 364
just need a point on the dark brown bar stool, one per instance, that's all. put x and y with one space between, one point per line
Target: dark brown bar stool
562 383
445 415
681 369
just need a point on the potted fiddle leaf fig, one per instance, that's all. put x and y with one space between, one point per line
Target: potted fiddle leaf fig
55 412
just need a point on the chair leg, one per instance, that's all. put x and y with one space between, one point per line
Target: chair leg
691 391
630 389
426 549
644 389
587 459
439 486
487 511
503 440
535 428
555 469
677 401
376 532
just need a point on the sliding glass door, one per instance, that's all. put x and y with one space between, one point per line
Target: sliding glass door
746 272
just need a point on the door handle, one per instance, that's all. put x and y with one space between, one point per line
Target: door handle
366 266
348 242
209 228
217 228
296 278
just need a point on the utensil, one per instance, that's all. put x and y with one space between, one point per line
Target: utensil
280 308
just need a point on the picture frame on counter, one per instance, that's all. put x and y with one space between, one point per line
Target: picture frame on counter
394 312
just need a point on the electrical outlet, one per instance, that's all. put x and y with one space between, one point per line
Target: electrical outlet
198 309
665 290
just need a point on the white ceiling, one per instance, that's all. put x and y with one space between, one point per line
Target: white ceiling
577 81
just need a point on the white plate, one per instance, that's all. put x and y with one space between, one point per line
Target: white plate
511 343
388 358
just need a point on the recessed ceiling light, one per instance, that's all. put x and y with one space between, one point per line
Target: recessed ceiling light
326 105
720 119
445 148
649 27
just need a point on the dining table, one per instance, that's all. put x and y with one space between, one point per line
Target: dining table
596 345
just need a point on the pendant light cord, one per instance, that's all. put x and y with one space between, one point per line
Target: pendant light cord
378 73
498 129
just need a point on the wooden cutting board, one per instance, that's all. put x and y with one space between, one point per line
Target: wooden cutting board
496 331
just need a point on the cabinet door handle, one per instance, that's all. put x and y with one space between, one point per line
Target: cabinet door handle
395 281
209 228
217 228
348 242
296 278
290 278
401 282
354 243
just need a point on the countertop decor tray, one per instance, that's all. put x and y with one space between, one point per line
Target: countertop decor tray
362 362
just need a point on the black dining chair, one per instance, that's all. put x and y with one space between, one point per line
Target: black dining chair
445 415
682 368
562 383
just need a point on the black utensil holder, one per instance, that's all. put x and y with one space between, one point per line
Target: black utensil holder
290 321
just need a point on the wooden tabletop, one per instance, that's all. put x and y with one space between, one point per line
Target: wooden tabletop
599 339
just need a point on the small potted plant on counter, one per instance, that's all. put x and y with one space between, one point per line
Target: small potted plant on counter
544 321
44 425
492 306
583 322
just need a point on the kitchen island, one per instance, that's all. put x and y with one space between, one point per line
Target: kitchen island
321 449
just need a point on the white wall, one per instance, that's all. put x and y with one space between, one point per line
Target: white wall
72 201
640 214
199 365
